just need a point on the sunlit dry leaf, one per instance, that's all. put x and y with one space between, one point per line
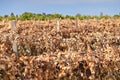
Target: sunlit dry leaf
69 53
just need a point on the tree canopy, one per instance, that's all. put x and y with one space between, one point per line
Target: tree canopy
44 16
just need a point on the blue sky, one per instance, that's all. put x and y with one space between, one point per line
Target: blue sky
70 7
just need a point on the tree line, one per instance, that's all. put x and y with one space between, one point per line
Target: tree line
44 16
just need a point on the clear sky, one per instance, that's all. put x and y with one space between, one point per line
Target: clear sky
70 7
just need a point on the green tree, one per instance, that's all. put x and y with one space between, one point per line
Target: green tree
6 16
12 14
69 17
57 16
116 16
101 14
1 18
78 15
27 16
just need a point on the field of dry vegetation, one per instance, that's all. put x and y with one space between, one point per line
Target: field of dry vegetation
62 50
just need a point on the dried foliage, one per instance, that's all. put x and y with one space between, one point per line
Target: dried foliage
88 51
